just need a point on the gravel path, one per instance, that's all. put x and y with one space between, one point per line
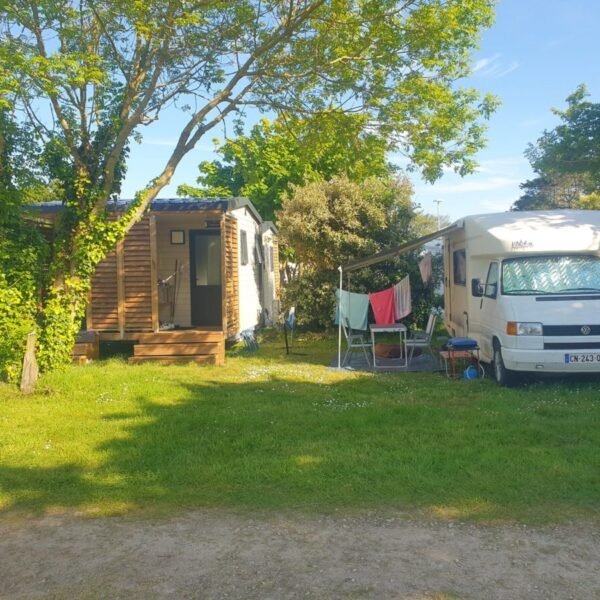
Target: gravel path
219 554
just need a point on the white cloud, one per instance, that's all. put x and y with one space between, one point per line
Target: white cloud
477 185
502 165
493 67
482 63
503 72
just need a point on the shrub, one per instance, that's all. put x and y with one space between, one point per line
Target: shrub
22 262
16 321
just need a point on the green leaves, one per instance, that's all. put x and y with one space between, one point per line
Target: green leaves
264 164
330 223
566 158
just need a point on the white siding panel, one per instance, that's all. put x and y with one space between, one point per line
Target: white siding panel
270 300
249 275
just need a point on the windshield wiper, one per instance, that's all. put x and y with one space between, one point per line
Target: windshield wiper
579 289
525 291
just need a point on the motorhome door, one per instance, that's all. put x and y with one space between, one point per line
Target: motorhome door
489 310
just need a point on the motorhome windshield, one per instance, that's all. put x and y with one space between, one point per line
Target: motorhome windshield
531 275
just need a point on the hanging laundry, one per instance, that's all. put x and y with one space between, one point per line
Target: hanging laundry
354 309
383 306
402 299
425 268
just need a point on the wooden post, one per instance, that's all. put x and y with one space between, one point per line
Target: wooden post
30 372
154 274
224 246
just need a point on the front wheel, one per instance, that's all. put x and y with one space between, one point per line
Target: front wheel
503 376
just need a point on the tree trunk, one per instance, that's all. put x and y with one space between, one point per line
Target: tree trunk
62 313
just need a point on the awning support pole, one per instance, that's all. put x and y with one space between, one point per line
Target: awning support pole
340 321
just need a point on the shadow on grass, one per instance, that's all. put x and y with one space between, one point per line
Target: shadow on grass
453 450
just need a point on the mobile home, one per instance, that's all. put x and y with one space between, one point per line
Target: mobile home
191 274
526 286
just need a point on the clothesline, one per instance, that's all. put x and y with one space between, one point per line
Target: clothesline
401 300
389 305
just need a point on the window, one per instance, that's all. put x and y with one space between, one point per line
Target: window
207 260
177 236
258 250
244 247
491 284
459 263
529 275
271 261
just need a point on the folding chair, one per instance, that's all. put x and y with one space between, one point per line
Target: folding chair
355 340
422 339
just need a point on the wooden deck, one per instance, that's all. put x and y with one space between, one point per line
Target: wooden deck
172 346
180 346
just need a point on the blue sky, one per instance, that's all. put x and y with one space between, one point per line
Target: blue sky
535 55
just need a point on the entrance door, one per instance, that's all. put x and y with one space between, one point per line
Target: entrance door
205 284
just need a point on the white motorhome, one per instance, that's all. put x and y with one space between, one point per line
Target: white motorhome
526 286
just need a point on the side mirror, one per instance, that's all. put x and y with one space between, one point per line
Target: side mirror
476 287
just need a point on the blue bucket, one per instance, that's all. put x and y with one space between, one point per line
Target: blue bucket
471 372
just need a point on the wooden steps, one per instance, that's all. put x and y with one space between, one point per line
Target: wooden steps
208 359
180 346
86 348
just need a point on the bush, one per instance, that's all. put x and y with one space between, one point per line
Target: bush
332 223
313 293
16 321
22 262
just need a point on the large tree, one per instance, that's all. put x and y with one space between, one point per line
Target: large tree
331 223
91 75
264 164
566 159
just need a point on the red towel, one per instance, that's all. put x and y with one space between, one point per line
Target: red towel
383 306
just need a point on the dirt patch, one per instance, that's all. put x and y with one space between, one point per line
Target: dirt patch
219 554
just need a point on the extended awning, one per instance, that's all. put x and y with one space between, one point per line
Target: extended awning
387 255
397 250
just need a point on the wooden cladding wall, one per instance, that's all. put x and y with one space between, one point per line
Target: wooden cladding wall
231 283
137 277
103 310
122 293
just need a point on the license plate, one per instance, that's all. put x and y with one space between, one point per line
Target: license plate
582 357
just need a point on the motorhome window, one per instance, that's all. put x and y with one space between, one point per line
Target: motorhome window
530 275
491 284
244 247
459 261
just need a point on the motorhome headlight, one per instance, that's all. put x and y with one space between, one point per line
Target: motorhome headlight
519 328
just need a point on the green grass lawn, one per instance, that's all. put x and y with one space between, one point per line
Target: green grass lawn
270 431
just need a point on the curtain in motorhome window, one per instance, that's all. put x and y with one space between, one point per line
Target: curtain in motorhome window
551 274
459 263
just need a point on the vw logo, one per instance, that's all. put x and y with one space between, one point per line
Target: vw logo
585 330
